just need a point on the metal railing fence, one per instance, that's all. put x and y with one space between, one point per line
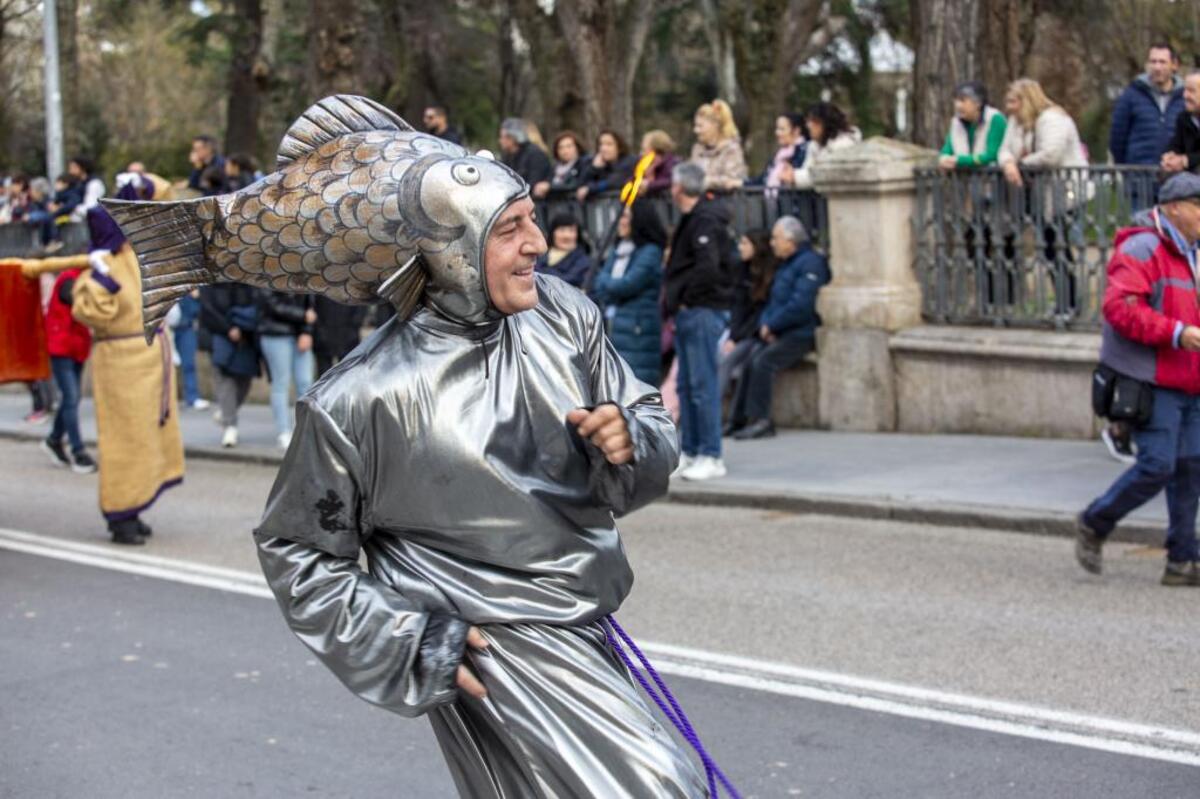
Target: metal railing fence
987 252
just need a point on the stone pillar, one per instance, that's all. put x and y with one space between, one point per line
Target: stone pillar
871 194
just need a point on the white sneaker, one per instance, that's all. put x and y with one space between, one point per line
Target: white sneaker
200 404
685 462
230 438
285 440
705 467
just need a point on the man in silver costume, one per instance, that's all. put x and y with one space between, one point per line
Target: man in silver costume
476 449
448 452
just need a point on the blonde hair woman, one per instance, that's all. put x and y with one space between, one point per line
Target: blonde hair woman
1039 133
718 148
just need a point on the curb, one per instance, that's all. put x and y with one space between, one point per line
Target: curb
1018 520
946 514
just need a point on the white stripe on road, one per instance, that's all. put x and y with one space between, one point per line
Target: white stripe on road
1008 718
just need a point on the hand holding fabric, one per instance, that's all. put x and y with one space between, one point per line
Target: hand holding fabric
464 679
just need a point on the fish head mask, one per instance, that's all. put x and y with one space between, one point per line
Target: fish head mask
450 203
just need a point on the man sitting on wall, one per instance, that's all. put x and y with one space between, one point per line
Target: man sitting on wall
788 324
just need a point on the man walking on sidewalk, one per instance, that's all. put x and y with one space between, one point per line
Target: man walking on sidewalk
699 292
1152 335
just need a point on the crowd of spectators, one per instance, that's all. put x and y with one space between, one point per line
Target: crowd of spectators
708 315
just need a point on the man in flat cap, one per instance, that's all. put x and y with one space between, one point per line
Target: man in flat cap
1150 376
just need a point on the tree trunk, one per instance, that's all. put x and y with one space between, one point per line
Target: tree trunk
555 77
940 28
608 39
771 39
248 74
335 37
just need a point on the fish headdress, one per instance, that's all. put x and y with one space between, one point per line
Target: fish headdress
360 208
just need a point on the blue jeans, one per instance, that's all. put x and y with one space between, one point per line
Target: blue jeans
67 374
286 363
1168 457
185 345
697 334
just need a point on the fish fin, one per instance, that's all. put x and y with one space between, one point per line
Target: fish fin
169 241
403 289
326 120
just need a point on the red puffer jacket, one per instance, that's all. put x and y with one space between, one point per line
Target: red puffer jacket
1151 297
66 338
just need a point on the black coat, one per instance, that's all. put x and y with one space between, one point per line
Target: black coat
338 326
530 163
223 307
451 135
743 321
573 178
1186 140
609 177
217 301
700 272
283 314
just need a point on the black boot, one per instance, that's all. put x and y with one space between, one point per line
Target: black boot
126 532
759 428
732 426
144 529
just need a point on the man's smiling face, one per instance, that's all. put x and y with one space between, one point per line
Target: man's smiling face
513 245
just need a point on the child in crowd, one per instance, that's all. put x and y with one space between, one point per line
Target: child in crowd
69 344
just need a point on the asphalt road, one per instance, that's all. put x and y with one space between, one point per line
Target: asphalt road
117 686
219 700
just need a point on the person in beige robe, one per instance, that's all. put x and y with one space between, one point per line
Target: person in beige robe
133 382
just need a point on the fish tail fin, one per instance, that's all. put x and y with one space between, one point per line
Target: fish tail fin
405 287
169 240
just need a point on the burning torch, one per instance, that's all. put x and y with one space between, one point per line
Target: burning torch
629 193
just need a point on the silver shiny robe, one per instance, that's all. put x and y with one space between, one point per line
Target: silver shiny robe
443 452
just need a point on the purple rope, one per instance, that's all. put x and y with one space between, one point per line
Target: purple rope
670 708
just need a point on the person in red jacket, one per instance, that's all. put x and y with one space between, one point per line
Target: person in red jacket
69 344
1152 334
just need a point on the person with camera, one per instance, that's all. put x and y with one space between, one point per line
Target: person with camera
1150 376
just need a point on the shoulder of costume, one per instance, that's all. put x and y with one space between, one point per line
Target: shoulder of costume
561 294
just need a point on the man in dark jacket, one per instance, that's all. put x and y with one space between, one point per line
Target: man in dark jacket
1152 335
1183 153
787 325
437 123
1144 116
699 291
205 157
521 155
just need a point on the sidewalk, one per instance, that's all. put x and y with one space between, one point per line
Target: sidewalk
1025 484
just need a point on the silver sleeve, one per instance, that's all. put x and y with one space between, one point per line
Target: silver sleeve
630 486
380 645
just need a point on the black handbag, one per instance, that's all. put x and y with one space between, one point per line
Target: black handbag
1121 398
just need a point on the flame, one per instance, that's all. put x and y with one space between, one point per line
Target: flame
629 191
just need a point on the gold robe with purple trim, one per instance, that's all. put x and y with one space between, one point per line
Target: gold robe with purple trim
133 384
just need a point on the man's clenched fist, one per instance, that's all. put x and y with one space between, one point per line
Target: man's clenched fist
605 427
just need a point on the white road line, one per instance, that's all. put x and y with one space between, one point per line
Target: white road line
989 715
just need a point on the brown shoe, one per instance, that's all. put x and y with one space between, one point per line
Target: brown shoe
1088 545
1185 573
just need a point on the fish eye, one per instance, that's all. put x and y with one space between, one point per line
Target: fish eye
466 174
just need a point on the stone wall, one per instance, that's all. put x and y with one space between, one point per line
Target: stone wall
994 382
